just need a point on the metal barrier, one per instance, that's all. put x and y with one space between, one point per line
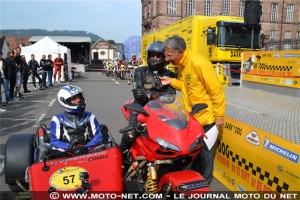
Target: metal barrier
273 45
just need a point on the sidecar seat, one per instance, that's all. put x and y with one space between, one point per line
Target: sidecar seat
42 141
43 137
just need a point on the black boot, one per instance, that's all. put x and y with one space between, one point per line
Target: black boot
127 141
131 123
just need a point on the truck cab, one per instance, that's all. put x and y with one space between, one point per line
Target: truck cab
221 39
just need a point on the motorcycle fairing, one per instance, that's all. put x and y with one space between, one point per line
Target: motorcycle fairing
126 112
186 181
158 128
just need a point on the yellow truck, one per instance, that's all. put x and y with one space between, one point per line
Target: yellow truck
221 39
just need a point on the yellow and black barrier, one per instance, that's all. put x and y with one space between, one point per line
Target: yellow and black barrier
279 68
250 159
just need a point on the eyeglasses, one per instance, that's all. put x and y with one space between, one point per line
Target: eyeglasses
170 53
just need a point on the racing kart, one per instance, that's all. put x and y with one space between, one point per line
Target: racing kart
28 168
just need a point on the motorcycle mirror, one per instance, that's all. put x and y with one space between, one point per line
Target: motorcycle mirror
198 107
134 107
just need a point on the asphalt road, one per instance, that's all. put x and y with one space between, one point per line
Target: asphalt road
104 98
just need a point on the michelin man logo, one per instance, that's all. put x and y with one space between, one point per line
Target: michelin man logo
266 143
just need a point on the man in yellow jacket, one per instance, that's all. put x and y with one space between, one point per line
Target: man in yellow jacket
198 83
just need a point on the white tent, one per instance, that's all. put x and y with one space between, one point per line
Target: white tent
47 46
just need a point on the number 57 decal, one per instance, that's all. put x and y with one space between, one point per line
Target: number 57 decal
67 178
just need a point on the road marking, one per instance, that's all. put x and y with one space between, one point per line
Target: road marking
52 102
34 101
242 108
39 120
16 119
117 82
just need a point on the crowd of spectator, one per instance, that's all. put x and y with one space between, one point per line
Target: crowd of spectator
15 72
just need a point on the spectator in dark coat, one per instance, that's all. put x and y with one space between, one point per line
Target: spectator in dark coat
10 72
19 64
49 69
33 66
25 74
43 66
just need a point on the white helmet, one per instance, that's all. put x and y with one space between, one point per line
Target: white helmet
64 96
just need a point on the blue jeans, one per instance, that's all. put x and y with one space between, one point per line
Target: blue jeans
5 82
44 76
50 75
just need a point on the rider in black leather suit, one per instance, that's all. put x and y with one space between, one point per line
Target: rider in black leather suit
145 88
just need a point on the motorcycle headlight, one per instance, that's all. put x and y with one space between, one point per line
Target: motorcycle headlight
166 145
196 144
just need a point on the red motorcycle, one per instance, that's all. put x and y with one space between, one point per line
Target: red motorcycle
160 158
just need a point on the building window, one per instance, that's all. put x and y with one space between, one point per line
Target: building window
287 35
272 34
298 35
289 12
287 40
208 6
226 7
190 7
274 12
242 8
171 7
154 8
149 9
145 11
272 45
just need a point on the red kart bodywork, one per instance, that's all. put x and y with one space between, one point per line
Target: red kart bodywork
103 167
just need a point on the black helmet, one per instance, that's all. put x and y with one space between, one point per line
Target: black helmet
156 47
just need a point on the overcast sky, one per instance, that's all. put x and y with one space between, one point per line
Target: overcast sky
110 19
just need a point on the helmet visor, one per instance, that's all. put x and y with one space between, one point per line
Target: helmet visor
76 100
155 55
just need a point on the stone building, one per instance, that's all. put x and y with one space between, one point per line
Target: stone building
280 19
102 50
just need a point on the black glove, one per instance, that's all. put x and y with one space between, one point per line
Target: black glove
77 149
141 94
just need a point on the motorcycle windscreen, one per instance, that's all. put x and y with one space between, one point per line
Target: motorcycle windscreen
170 111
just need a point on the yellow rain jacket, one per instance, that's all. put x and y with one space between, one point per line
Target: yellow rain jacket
198 83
